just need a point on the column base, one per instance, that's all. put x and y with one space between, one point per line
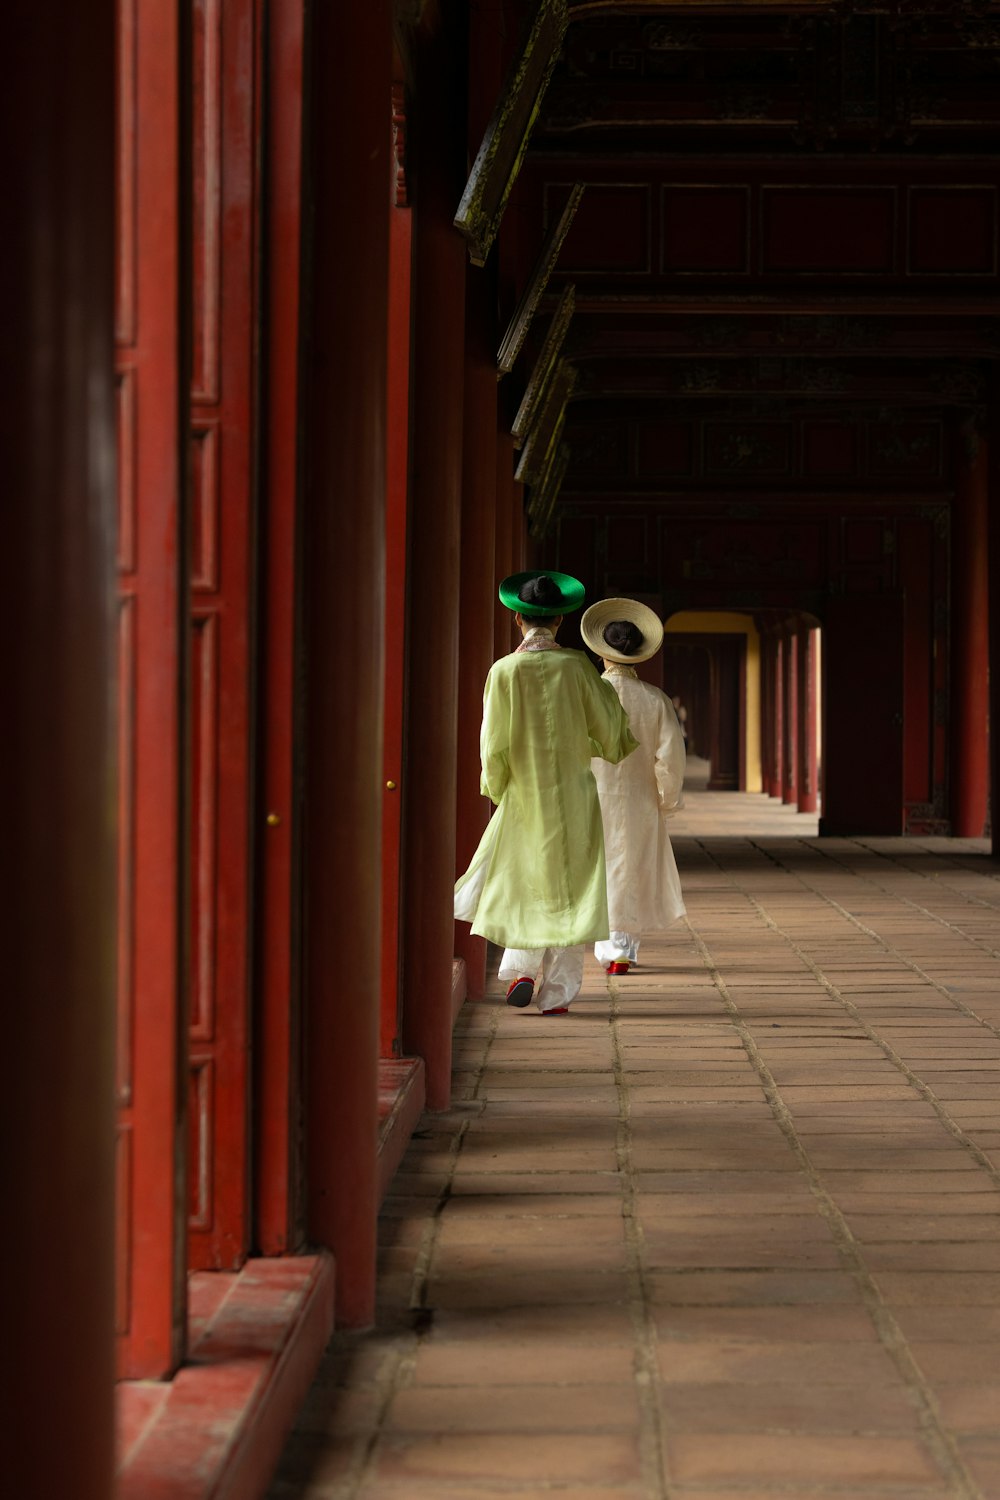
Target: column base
218 1428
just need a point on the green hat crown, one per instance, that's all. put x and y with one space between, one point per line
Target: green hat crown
542 592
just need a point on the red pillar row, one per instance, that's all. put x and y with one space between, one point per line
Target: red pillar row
970 638
152 1200
504 559
776 787
479 491
278 969
477 589
396 540
350 53
807 750
790 664
993 553
57 259
434 568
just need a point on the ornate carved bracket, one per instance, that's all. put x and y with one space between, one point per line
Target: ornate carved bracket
402 198
545 434
537 282
545 365
543 497
495 169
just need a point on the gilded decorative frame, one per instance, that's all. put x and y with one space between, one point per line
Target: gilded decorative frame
505 143
517 330
544 367
547 429
544 497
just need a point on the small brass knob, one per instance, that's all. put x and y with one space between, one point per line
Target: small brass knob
273 819
390 786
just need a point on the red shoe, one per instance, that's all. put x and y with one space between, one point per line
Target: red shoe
557 1010
620 966
520 992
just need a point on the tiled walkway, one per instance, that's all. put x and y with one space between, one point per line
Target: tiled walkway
730 1230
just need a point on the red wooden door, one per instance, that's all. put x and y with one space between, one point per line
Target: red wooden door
863 715
223 68
150 1270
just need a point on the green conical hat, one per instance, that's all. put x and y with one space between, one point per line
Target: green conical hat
568 593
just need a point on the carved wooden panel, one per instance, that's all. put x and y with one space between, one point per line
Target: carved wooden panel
611 232
125 1011
888 450
627 542
844 230
738 551
953 231
665 449
126 207
201 1142
207 164
205 499
664 224
127 495
761 449
124 1211
205 775
705 229
910 450
830 450
224 79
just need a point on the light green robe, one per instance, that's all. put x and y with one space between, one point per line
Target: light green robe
537 879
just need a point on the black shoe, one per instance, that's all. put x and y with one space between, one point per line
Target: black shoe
520 993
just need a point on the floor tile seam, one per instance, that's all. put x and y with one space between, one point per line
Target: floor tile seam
918 1084
895 896
940 1441
884 944
429 1239
918 906
954 861
652 1437
397 1368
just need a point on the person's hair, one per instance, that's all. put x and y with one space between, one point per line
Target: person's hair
623 636
544 594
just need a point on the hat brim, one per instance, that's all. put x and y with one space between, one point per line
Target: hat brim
600 615
572 591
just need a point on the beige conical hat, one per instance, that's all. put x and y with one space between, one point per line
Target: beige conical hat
595 620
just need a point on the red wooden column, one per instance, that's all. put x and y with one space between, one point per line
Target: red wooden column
397 502
348 162
503 565
520 542
150 1079
970 624
790 790
279 818
57 262
778 718
478 588
808 789
434 576
766 709
993 527
479 489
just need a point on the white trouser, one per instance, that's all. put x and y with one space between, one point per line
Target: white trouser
562 972
620 945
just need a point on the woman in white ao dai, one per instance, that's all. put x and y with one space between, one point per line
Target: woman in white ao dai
637 796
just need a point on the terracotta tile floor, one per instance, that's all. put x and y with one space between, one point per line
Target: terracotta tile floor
730 1230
